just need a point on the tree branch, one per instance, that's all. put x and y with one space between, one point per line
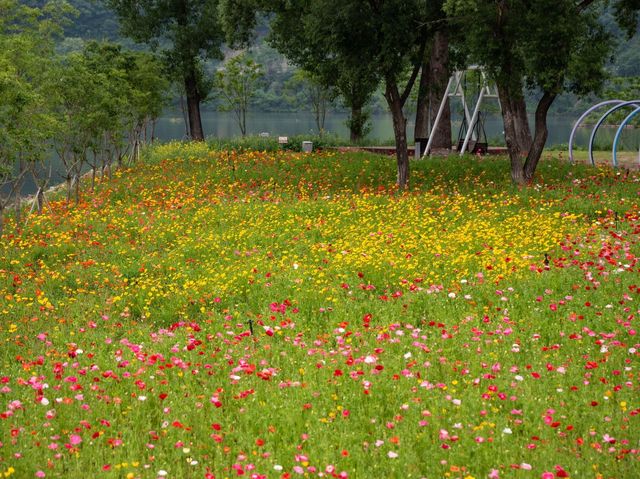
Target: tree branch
584 4
414 74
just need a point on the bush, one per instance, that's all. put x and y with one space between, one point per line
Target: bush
258 143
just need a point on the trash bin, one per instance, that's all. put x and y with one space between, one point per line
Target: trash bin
307 146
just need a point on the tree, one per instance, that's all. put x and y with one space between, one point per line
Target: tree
104 99
548 46
149 92
26 123
308 90
294 33
434 78
236 82
356 85
386 37
188 32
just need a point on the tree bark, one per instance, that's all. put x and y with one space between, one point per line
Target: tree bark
40 199
540 138
193 106
357 123
433 85
395 103
421 129
516 130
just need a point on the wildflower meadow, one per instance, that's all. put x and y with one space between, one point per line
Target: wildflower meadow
220 313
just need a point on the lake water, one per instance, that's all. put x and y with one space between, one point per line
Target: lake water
223 125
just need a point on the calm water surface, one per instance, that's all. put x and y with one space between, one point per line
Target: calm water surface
223 125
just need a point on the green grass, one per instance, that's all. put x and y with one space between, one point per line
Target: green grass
395 334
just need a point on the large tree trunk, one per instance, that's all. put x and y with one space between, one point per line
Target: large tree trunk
193 106
433 85
540 138
516 130
395 103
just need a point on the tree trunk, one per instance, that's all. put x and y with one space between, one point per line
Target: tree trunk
400 132
77 189
68 179
17 191
516 130
185 117
322 111
433 85
153 129
18 206
421 129
357 123
40 199
243 122
323 117
193 106
540 138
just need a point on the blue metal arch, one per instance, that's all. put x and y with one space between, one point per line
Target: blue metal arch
601 121
619 133
584 115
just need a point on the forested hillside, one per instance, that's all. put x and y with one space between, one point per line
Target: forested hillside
278 91
93 21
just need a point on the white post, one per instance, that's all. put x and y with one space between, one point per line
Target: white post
472 123
438 116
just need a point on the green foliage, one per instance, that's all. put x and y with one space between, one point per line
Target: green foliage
548 46
191 29
354 46
624 88
238 19
258 143
296 32
107 98
236 83
26 55
187 32
308 90
627 13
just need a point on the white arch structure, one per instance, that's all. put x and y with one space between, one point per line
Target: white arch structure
617 105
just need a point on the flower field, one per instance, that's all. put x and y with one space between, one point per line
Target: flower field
214 314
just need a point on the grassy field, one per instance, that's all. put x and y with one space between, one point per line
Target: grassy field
209 314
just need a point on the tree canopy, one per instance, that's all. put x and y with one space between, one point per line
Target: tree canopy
549 46
296 32
236 83
187 32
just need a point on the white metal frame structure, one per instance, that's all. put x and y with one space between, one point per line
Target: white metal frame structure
456 81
